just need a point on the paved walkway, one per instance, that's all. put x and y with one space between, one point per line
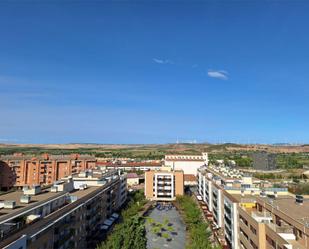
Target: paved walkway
178 240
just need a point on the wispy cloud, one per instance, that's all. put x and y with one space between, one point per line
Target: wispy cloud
162 61
218 74
3 140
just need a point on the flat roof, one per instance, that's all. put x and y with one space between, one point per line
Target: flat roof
48 220
82 193
287 205
35 200
240 198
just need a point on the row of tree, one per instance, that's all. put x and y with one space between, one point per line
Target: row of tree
130 233
199 231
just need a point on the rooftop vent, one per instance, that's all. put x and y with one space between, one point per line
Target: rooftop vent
262 193
25 199
299 199
9 204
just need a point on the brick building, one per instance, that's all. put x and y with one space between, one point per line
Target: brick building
20 170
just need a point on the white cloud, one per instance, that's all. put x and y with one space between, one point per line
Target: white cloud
3 140
162 61
219 74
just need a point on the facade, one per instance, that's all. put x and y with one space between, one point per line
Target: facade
244 214
189 164
20 170
264 161
230 221
164 184
62 216
279 222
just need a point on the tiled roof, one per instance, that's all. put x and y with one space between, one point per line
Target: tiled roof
132 175
189 178
132 164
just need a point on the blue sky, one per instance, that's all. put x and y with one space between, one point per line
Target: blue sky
217 71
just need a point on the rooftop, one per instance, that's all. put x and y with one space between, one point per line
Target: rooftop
189 177
288 206
36 200
47 157
198 158
129 164
132 175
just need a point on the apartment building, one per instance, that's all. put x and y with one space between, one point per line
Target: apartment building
19 170
280 222
189 164
63 216
228 203
164 184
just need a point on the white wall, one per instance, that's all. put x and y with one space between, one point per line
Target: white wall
188 167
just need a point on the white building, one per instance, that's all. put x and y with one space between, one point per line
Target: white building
188 163
231 222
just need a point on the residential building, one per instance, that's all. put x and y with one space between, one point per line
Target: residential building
275 222
20 170
164 184
245 214
62 216
189 164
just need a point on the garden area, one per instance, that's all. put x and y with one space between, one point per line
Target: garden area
198 231
161 227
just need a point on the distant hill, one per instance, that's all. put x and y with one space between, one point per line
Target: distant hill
185 148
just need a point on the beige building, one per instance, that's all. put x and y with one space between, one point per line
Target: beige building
244 214
164 184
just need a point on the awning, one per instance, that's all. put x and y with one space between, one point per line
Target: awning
104 227
115 215
109 222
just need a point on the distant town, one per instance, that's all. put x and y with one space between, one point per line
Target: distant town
242 198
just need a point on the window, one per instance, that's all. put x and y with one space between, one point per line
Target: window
253 245
253 230
243 220
270 241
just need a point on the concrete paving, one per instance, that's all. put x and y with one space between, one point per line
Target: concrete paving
177 240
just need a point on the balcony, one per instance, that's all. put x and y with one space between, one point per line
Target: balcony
285 231
164 193
227 210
